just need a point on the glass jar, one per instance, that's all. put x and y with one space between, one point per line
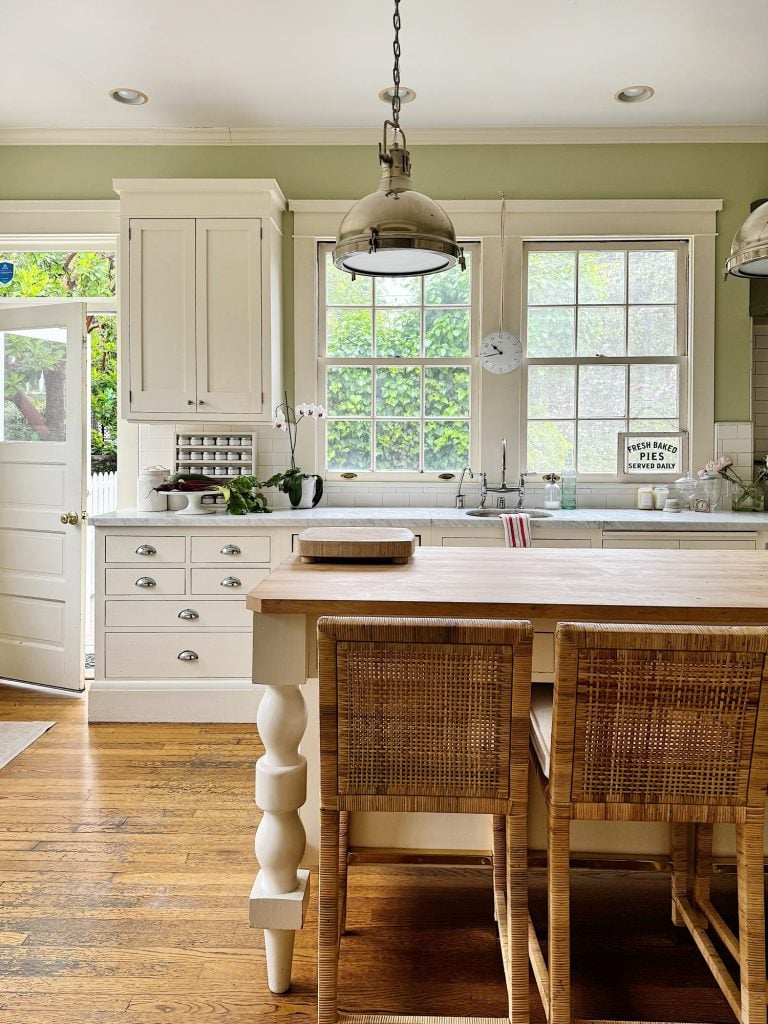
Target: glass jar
552 493
685 489
747 497
709 489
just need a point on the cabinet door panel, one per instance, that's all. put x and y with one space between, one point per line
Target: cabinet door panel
229 354
161 316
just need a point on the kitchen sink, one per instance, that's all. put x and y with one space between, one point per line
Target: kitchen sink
494 513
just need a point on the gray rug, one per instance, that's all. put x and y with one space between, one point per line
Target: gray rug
17 736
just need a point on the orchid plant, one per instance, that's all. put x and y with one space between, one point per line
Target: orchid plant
748 493
287 418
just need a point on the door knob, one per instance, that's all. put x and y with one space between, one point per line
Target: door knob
69 518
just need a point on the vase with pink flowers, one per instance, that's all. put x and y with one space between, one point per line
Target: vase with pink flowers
304 490
746 495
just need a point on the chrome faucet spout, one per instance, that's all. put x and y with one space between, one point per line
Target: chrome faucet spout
503 462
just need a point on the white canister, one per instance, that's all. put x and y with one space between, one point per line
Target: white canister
234 441
222 441
233 457
195 440
645 497
147 498
660 495
209 440
221 456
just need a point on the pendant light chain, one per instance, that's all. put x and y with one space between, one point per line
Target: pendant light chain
396 68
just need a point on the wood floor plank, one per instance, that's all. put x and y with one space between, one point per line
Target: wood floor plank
126 859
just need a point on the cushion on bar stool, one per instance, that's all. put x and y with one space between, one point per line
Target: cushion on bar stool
542 696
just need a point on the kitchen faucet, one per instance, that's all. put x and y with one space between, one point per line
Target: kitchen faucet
502 489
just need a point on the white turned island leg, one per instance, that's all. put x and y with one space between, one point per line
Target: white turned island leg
281 890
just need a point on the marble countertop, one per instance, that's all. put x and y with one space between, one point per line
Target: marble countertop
420 518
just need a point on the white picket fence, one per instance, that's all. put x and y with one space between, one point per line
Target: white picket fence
102 497
102 493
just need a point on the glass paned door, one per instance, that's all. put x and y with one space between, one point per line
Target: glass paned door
42 493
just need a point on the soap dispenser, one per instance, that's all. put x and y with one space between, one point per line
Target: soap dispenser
552 491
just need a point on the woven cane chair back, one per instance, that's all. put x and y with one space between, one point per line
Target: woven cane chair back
660 716
417 712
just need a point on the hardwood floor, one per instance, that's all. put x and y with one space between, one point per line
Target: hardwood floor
126 860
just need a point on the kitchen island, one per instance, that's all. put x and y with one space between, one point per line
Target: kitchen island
545 586
173 635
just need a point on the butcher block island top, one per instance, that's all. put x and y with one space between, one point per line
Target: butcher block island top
614 585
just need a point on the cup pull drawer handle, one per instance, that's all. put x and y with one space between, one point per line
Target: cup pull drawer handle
146 549
231 549
145 581
231 581
187 656
188 613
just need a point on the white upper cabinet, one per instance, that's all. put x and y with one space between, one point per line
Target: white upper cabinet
200 328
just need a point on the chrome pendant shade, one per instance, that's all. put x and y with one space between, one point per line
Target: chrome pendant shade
396 231
749 251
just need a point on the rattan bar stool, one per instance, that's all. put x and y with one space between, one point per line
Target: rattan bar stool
658 723
425 715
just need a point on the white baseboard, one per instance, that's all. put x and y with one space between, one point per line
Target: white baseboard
169 700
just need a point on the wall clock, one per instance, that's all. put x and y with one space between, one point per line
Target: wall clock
500 352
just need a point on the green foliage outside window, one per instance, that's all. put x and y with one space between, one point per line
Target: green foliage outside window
388 417
62 275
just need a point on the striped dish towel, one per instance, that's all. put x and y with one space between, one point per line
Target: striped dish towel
517 529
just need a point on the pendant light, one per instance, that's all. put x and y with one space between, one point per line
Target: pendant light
749 251
396 231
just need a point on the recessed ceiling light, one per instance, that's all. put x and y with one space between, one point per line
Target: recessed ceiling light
406 95
132 97
634 94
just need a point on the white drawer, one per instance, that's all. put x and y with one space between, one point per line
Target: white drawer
239 580
147 584
230 548
147 550
156 655
166 615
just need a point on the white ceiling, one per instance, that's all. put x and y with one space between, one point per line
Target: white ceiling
245 64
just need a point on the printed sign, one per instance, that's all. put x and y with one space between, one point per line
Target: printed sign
6 272
653 454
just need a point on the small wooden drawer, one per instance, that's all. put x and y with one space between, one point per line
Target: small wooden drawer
145 550
170 656
239 581
186 615
153 582
231 549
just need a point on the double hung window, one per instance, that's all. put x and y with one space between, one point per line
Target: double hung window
606 349
395 370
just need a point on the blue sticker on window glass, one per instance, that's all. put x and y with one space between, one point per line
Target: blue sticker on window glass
6 272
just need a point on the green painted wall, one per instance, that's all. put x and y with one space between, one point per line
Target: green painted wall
735 173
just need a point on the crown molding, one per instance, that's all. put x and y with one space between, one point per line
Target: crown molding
342 206
368 136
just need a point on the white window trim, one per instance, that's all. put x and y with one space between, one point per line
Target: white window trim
500 405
